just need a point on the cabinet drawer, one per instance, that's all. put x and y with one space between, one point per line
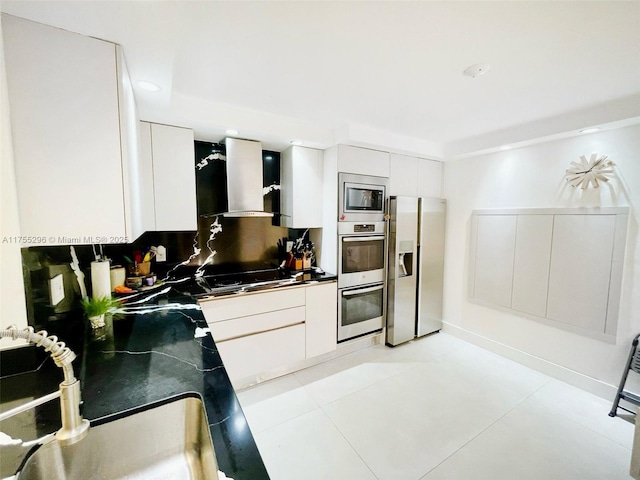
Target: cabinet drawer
239 327
220 309
247 356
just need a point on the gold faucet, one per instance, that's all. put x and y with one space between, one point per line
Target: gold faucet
74 427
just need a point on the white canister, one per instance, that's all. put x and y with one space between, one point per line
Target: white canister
118 275
100 279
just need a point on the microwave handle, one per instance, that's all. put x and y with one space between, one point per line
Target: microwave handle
363 239
362 290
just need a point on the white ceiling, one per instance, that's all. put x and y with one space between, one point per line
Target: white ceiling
372 73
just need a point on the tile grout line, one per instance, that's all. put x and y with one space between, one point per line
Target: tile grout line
485 429
348 443
559 412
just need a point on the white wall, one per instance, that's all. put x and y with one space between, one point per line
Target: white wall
534 177
12 300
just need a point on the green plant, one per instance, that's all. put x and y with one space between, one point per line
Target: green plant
99 306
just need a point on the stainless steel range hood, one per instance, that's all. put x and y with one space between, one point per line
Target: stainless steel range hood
244 179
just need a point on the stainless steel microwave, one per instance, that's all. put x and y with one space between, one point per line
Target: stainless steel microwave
361 198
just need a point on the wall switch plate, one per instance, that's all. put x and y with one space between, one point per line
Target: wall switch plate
56 289
161 254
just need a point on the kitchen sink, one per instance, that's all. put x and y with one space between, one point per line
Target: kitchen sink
169 439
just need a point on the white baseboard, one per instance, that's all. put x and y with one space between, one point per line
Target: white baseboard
579 380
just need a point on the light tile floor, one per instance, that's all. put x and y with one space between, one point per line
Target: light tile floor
436 408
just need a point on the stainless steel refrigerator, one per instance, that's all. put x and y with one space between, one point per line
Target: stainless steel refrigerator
416 267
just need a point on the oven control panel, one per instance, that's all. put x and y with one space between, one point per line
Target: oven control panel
364 228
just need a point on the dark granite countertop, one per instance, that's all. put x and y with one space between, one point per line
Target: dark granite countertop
159 354
140 359
156 351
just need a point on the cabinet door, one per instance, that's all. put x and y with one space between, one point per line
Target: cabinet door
63 96
363 161
174 178
403 175
429 178
145 179
255 324
531 268
581 270
495 246
301 178
321 318
255 354
225 308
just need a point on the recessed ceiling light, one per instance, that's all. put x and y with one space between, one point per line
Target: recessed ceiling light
231 131
590 130
505 147
477 70
296 142
148 86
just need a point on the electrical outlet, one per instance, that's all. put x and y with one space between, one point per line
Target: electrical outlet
161 254
56 289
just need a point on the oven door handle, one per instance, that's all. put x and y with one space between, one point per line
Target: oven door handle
363 239
361 290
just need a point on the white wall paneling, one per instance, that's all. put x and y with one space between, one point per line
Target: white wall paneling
531 264
580 274
556 265
494 251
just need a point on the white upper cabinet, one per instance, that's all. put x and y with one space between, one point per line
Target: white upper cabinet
363 161
414 177
301 187
147 203
429 178
69 146
168 173
403 175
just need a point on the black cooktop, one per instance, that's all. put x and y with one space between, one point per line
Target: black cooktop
236 281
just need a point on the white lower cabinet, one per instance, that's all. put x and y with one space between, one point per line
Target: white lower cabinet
252 354
321 319
257 333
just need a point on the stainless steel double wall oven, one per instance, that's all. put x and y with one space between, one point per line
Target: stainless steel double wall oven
361 254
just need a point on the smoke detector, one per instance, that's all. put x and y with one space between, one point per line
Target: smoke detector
476 70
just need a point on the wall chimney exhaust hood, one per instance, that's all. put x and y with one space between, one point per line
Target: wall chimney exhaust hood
244 179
